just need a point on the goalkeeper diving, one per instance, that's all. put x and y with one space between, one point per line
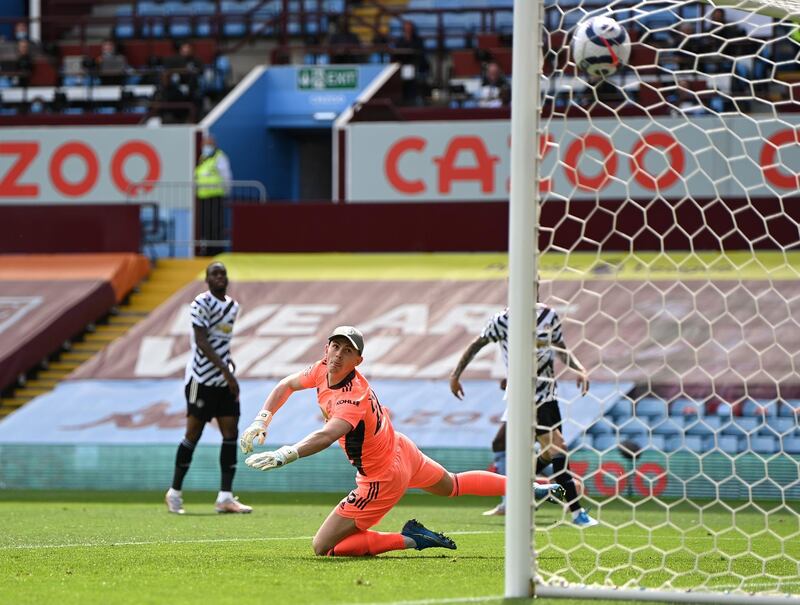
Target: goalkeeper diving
387 462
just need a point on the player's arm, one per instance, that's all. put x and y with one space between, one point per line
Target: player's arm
469 354
310 445
565 355
201 339
276 398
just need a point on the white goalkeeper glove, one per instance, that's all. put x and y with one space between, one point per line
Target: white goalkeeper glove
256 430
266 461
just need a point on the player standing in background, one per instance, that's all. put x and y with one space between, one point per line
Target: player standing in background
387 462
211 389
549 343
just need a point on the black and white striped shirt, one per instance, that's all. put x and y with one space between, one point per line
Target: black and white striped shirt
217 317
548 329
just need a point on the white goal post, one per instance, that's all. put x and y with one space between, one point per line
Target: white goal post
659 212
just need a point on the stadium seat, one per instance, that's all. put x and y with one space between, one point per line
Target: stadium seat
703 426
622 408
760 407
670 427
764 445
601 426
725 443
651 408
124 28
604 442
723 410
741 426
685 407
658 442
789 407
776 426
633 427
791 444
691 442
153 26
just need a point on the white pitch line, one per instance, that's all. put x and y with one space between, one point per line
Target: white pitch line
200 541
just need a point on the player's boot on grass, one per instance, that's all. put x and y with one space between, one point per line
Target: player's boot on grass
425 538
582 519
174 502
549 492
232 505
497 511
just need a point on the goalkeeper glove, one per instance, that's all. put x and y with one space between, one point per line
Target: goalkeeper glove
266 461
257 429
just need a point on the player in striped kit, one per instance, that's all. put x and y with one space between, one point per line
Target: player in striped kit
549 343
211 389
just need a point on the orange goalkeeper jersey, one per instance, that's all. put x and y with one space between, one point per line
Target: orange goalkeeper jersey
370 445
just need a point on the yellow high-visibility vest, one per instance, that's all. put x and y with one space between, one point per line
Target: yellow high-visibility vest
207 178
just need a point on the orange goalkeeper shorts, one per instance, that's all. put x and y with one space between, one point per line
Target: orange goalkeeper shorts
369 502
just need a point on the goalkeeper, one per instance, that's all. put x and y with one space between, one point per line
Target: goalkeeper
387 462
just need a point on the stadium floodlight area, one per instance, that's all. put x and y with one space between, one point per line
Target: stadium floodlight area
668 228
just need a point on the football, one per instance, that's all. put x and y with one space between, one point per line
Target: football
600 46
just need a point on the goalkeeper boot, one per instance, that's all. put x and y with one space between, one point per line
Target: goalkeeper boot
582 519
232 505
425 538
174 502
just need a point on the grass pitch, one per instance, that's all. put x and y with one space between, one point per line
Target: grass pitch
121 547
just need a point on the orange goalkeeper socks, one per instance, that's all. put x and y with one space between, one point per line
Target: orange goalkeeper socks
478 483
367 543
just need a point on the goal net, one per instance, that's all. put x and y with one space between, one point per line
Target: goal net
669 246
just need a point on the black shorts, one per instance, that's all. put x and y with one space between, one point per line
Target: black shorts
548 417
206 402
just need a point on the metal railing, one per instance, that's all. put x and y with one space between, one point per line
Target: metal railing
175 223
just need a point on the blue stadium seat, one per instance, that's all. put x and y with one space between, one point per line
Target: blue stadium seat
601 426
604 442
633 427
789 407
180 24
685 407
760 407
651 408
622 408
764 445
703 426
691 442
726 443
724 410
741 426
123 28
791 444
658 442
778 425
670 427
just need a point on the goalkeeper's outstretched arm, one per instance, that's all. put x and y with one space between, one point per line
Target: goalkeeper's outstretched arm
310 445
257 431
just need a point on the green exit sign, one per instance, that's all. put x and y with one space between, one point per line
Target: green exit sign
326 78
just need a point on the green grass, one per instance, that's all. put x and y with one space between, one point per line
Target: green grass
122 547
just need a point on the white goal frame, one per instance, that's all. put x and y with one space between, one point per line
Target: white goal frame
520 564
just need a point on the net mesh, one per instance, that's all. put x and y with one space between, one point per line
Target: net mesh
669 235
